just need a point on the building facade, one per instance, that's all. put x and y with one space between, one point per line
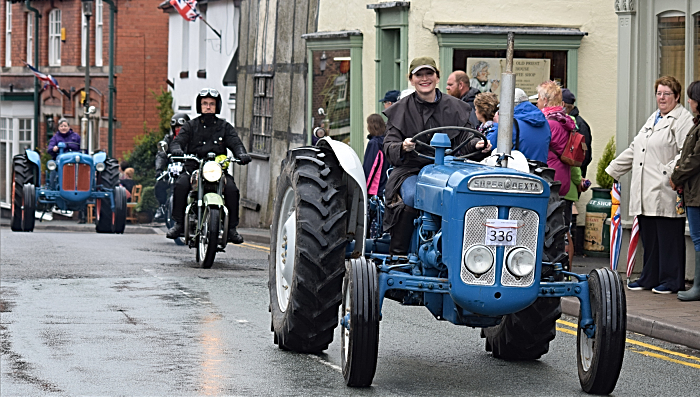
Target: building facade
141 51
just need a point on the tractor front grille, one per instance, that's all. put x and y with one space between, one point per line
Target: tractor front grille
475 232
76 177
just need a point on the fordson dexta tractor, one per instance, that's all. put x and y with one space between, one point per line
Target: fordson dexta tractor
487 251
73 181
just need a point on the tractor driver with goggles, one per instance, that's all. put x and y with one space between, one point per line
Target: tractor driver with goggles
200 136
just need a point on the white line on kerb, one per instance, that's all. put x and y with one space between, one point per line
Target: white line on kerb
328 363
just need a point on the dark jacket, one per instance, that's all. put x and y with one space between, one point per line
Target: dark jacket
374 146
204 135
687 170
70 138
469 99
408 117
534 132
585 130
162 157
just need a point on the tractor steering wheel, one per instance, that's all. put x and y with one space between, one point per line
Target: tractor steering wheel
448 151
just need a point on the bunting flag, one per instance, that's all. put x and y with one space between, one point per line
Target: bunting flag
615 226
46 78
634 239
186 8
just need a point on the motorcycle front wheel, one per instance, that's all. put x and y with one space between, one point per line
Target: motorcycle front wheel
208 238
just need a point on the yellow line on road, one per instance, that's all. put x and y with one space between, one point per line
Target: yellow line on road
641 344
254 246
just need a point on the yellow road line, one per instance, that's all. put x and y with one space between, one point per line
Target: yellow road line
254 246
638 343
673 360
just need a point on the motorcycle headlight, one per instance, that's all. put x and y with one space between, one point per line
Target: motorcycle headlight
211 171
521 261
478 259
51 165
100 167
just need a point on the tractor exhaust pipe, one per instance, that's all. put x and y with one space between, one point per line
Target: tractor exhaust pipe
506 108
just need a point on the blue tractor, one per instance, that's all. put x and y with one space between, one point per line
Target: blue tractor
73 181
488 251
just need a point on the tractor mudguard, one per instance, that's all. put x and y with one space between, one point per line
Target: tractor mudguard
357 196
99 157
34 157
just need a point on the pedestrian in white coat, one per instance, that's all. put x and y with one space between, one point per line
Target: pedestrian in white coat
651 157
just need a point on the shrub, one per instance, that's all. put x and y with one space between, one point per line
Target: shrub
604 180
148 200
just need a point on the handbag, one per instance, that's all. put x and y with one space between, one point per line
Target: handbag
680 202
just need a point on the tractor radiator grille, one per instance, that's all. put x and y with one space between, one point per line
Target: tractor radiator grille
475 232
76 177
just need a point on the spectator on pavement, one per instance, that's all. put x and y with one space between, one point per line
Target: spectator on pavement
651 157
560 124
486 106
534 134
569 99
458 87
686 176
390 98
128 182
375 163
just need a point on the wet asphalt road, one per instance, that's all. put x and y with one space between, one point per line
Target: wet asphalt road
89 314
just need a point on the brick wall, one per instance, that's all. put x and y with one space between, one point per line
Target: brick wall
141 63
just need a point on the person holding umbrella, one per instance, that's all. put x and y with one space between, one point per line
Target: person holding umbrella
686 175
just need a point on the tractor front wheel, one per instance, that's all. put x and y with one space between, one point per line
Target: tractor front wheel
360 323
307 250
599 359
23 199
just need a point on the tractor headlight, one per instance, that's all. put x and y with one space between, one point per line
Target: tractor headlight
521 261
211 171
100 167
51 165
478 259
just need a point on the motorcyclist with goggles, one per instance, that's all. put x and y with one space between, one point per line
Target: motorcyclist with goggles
200 136
161 187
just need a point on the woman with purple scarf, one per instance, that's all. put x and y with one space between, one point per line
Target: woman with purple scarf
66 135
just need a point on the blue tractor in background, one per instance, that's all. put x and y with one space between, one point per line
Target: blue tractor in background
73 181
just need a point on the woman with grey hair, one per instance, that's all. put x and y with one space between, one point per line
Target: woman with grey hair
64 135
480 78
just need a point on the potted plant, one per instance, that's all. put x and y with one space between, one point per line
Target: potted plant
597 232
147 206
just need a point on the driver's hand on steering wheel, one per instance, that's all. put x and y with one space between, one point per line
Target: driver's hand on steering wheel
408 145
480 145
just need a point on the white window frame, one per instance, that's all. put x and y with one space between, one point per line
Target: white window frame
83 37
15 140
8 34
30 38
185 67
55 37
99 25
202 44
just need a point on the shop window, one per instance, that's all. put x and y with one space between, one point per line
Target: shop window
331 80
672 45
261 131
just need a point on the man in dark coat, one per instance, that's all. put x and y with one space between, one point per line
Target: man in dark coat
200 136
569 99
426 108
458 87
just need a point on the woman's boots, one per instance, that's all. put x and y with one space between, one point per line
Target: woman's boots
693 294
402 232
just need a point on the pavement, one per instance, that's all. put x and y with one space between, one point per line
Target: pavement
658 316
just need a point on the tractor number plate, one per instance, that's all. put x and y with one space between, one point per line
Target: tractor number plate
501 232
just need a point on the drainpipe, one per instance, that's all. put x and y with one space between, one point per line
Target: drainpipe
110 123
37 15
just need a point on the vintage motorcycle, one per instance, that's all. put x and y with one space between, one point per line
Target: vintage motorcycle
206 216
170 176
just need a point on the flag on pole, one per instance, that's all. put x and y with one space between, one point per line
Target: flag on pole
615 226
46 78
186 8
634 239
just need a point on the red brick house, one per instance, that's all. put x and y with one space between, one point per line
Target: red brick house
141 65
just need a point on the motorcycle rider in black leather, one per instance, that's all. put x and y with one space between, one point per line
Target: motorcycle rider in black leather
200 136
161 187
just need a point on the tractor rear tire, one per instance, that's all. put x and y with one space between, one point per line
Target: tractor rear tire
307 258
525 335
109 178
104 216
22 174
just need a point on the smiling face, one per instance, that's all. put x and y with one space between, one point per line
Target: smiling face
665 99
425 81
63 128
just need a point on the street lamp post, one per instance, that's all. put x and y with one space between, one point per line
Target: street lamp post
87 11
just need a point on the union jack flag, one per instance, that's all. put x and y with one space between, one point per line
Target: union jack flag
634 239
615 227
186 8
46 78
